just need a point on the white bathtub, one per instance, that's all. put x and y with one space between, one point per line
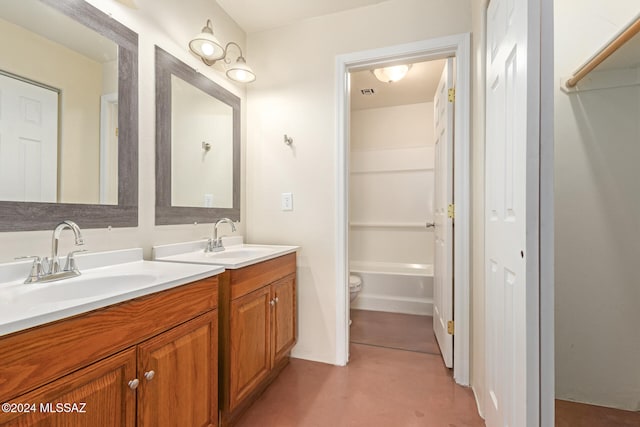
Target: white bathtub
394 287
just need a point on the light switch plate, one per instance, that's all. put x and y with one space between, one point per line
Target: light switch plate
286 202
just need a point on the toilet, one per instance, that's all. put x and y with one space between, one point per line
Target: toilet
355 285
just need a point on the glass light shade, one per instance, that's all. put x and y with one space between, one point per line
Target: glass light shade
391 74
207 47
241 72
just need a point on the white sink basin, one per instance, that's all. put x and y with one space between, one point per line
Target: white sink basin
31 295
234 256
107 278
241 252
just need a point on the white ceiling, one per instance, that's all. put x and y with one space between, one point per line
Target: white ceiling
259 15
418 86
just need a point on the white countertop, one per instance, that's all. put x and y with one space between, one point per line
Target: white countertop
107 278
235 255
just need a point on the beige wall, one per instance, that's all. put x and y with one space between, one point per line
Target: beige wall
295 94
170 25
478 360
80 82
597 237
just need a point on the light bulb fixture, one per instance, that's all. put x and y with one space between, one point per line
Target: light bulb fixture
239 71
207 47
391 74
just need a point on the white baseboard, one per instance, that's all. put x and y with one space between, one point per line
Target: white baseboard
480 409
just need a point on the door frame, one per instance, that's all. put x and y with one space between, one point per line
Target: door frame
458 45
106 101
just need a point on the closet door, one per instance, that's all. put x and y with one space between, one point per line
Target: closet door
512 203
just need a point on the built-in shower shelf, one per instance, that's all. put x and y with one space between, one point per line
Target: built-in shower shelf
407 225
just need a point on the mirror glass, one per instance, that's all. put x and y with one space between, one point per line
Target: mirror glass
197 146
68 116
58 108
201 148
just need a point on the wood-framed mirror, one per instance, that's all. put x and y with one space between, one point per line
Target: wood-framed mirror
197 146
69 150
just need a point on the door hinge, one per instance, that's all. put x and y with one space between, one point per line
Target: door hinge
451 211
452 94
116 131
450 327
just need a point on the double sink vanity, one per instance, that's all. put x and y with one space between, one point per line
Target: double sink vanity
110 339
189 339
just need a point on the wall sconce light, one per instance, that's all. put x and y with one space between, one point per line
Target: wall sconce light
209 49
391 74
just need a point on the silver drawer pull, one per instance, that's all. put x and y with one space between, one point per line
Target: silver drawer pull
133 384
149 375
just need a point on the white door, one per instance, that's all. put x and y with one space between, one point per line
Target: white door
443 197
512 213
28 141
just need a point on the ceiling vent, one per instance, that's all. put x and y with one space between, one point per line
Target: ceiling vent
367 92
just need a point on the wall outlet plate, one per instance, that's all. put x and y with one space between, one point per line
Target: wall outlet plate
286 202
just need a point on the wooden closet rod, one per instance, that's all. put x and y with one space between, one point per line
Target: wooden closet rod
605 52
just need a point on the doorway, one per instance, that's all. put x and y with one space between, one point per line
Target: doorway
458 46
398 222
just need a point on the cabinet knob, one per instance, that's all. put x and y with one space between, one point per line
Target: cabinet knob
276 299
149 375
272 302
133 384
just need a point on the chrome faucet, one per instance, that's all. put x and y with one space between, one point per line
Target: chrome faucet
48 270
214 244
55 262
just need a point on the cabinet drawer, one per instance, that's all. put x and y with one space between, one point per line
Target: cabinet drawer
248 279
39 355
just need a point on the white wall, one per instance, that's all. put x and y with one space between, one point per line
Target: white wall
597 218
478 359
400 126
170 25
295 94
391 184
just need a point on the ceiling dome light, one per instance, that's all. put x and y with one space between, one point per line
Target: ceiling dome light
207 46
241 72
391 74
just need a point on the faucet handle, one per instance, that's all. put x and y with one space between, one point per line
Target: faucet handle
34 257
71 265
36 268
209 244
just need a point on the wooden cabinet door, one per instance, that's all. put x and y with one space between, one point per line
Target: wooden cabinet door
183 389
284 317
250 340
97 395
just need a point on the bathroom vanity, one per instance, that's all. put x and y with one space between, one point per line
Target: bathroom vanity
257 330
257 315
150 360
